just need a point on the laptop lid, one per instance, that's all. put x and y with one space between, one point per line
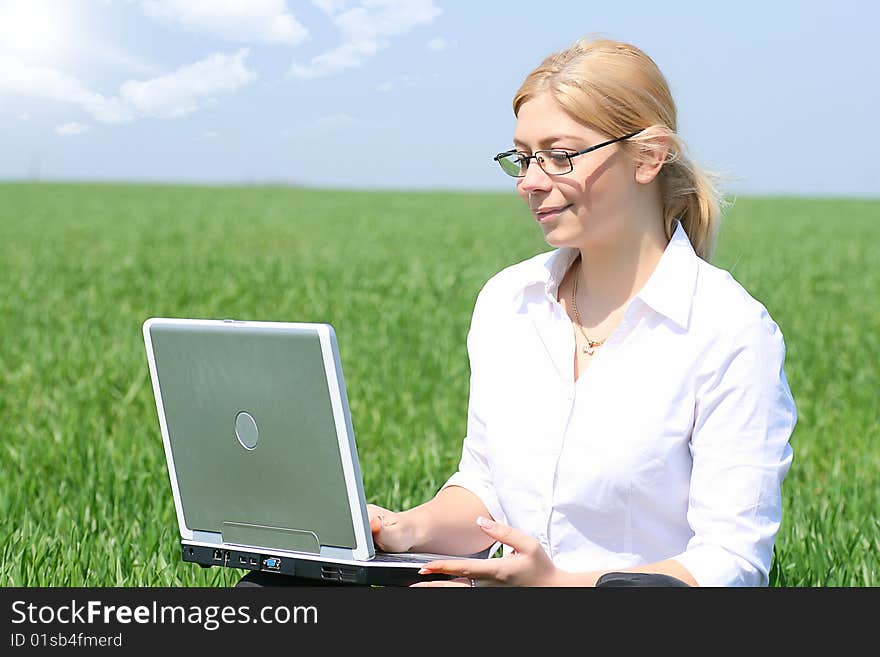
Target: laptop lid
258 436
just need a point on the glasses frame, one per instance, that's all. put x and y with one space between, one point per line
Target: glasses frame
568 154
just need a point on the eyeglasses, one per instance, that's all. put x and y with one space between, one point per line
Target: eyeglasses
555 162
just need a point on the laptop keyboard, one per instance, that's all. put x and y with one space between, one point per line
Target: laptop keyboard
411 557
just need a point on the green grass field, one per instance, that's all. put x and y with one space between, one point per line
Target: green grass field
85 493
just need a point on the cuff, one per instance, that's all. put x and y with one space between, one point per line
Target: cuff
485 493
713 566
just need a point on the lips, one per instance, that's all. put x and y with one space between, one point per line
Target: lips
550 213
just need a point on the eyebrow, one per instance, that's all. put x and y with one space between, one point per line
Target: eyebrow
548 140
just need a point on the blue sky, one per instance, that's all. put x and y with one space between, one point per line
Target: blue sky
779 97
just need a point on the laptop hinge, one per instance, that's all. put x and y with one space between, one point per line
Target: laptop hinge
207 537
282 538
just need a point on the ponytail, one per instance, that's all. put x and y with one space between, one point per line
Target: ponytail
691 196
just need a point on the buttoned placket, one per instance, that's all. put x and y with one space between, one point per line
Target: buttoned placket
556 332
550 327
564 360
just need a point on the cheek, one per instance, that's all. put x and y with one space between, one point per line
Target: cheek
603 180
598 188
579 192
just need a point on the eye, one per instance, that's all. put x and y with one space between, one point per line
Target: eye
513 163
559 157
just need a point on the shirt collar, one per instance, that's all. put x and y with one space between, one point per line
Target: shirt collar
669 290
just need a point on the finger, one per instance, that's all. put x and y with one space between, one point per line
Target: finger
518 540
377 516
449 582
476 568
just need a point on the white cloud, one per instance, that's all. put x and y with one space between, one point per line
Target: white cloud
384 18
71 129
346 56
98 53
210 135
241 21
439 44
365 30
173 95
45 83
185 90
334 122
388 85
331 6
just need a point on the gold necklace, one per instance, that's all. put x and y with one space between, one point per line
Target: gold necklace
591 345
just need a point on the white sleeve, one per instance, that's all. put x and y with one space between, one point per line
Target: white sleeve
744 417
474 470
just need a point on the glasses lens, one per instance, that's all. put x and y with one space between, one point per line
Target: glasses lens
513 165
554 162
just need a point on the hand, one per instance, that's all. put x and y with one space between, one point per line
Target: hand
391 532
528 565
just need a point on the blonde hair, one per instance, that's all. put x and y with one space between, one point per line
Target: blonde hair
617 89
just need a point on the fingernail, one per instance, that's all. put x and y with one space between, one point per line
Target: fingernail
485 522
424 571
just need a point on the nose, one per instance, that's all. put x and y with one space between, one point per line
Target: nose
535 180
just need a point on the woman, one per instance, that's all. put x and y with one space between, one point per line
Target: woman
628 406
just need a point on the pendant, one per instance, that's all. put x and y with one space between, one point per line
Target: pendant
589 350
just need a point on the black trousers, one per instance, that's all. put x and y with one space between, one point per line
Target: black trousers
613 580
257 578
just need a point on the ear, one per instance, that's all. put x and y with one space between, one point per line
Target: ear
654 147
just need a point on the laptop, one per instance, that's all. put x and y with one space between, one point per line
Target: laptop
261 451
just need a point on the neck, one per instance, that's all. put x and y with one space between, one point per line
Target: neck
611 274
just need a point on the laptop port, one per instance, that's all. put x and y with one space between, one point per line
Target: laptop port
218 555
272 563
339 574
252 561
242 561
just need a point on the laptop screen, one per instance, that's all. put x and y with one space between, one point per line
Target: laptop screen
252 417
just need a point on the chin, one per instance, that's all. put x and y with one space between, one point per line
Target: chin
559 238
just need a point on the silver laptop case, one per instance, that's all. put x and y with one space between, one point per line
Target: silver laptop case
260 449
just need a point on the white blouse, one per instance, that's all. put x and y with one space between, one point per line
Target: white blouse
673 443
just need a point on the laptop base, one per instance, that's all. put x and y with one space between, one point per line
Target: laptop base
313 569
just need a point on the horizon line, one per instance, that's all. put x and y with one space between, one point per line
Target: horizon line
292 184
